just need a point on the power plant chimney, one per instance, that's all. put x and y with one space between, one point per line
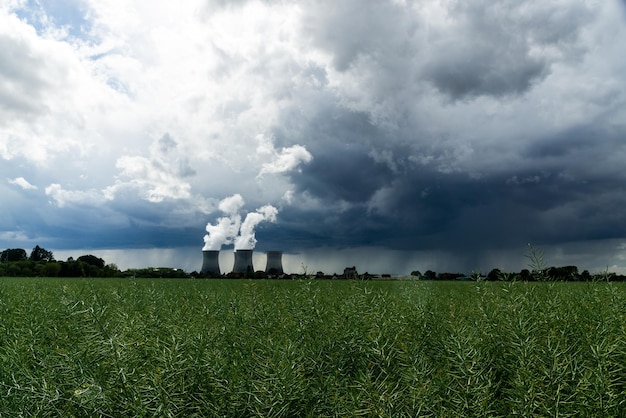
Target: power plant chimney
243 262
274 263
210 262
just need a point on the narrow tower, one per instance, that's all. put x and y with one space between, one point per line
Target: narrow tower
210 262
243 262
274 265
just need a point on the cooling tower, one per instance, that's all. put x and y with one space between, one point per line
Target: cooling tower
210 262
274 262
243 262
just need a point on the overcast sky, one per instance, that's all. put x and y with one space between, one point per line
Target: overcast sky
409 134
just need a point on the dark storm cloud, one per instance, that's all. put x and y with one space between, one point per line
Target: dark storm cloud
127 222
570 198
345 173
301 229
129 236
409 186
472 70
583 144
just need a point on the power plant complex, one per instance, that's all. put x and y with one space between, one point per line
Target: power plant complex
243 262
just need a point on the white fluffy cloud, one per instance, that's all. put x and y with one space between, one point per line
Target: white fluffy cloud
283 161
160 176
23 183
63 197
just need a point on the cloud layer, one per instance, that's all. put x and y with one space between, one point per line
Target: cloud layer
406 125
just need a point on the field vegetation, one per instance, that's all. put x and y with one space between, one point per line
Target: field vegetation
184 348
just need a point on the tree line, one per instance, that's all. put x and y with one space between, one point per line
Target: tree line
16 262
561 274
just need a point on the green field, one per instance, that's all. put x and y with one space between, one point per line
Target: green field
112 347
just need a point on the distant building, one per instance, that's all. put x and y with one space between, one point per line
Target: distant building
350 273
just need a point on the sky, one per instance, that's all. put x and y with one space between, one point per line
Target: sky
393 135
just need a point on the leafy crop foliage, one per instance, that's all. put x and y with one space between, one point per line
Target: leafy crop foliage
112 347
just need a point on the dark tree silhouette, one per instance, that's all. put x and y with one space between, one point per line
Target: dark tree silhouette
41 254
13 254
91 260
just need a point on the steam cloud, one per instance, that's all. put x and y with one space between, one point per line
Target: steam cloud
246 239
229 229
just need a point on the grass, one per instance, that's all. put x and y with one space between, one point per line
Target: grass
185 348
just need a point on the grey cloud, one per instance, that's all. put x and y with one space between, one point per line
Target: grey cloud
21 79
422 207
353 28
582 141
345 173
473 70
495 48
486 48
168 148
166 144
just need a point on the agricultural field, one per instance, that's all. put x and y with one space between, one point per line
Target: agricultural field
185 348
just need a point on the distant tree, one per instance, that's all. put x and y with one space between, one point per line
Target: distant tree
38 269
71 268
91 270
565 273
13 270
430 275
52 269
416 273
111 270
449 276
585 275
91 260
494 275
41 254
26 271
13 254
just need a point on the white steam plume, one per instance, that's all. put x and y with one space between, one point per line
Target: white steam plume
226 228
229 229
246 239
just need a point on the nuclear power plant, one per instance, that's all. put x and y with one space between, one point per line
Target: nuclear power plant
274 264
210 262
243 262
